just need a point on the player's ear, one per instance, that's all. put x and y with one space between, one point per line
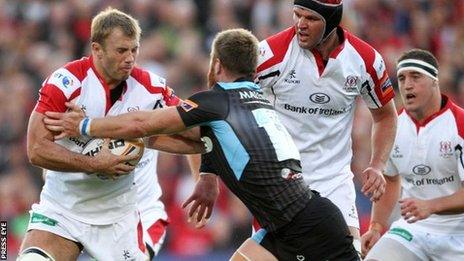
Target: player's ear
96 50
217 66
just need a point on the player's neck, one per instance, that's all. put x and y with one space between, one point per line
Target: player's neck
328 45
227 76
110 82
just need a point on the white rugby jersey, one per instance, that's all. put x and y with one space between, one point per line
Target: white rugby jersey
89 198
429 159
316 101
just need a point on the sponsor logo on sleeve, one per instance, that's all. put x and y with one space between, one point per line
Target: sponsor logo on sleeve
188 105
265 52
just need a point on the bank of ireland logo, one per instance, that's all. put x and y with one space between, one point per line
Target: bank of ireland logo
421 169
319 98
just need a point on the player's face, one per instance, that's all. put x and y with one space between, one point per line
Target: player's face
118 55
417 91
309 27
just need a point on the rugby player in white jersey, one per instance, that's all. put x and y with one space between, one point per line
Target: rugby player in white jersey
312 72
80 210
427 163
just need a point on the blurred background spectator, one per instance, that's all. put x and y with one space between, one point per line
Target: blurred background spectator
38 36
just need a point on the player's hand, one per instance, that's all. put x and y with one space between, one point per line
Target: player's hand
374 183
368 240
108 164
67 123
413 209
203 197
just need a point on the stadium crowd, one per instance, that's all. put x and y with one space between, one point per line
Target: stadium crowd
38 36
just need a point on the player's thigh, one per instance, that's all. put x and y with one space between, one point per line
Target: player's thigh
344 197
387 249
58 247
251 250
121 240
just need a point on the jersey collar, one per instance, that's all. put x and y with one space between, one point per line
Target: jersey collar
445 105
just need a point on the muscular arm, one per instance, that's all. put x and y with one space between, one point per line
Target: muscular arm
175 144
43 152
138 124
452 204
383 134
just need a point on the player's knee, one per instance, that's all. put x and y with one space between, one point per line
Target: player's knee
34 254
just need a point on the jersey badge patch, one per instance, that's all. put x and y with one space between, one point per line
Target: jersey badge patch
188 105
38 218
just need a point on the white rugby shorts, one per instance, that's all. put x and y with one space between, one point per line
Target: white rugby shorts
344 197
121 240
425 245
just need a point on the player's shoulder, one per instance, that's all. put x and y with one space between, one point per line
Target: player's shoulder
69 77
151 81
458 114
272 50
362 47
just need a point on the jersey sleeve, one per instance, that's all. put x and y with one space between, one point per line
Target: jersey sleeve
203 107
61 86
376 89
459 149
267 72
207 163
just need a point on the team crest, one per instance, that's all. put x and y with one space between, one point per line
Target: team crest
446 150
188 105
350 83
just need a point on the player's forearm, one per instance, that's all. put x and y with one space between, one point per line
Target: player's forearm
49 155
138 124
194 164
175 144
452 204
382 209
383 136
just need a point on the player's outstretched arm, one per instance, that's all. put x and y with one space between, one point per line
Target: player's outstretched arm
383 136
413 209
176 144
129 125
381 211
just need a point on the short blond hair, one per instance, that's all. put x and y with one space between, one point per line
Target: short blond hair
105 21
237 49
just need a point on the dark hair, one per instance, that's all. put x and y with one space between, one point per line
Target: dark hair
237 49
105 21
420 54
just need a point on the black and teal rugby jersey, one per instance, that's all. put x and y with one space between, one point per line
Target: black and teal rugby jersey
251 150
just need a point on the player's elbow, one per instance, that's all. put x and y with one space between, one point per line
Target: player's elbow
33 153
